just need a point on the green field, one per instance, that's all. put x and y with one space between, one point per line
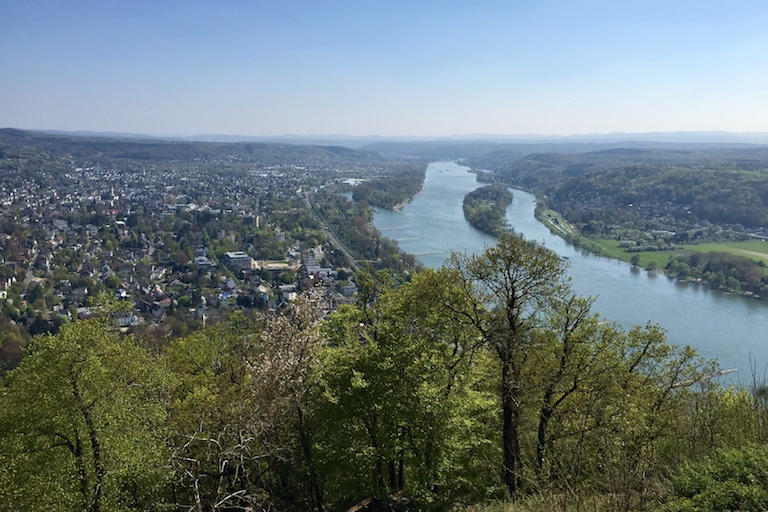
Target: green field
611 247
756 250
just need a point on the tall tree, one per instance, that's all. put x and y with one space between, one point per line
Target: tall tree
219 420
82 424
242 414
405 414
511 287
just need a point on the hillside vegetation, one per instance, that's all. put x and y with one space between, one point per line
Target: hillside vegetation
485 380
651 200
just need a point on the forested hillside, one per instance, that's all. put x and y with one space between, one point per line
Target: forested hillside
628 187
484 380
114 149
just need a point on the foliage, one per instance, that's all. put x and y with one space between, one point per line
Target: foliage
82 424
391 191
722 271
238 416
406 410
734 479
485 209
483 380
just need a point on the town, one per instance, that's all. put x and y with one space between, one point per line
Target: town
177 241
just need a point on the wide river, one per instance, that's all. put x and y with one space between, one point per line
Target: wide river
729 328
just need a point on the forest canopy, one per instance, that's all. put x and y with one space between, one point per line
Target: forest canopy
486 207
485 379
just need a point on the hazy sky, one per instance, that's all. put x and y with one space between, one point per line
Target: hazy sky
385 67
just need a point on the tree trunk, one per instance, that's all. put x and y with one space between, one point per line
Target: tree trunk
77 451
315 491
511 430
98 466
541 441
392 475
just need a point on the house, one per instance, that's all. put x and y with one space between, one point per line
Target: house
203 261
127 319
157 274
288 292
238 260
348 290
79 294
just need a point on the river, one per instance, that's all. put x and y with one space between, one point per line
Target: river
730 328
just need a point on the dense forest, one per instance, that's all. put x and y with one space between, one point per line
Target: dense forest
646 188
485 209
486 379
391 191
722 271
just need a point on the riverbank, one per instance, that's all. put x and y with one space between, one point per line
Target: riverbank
651 261
721 326
558 225
399 206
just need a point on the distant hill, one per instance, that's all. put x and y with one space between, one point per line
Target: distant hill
455 149
85 146
725 184
497 150
470 142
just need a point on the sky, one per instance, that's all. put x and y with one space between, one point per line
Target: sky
428 68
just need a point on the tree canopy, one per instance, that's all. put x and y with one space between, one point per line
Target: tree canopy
486 379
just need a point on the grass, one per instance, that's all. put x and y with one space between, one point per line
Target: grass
660 257
754 249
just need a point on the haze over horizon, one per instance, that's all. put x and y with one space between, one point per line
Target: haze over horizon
422 69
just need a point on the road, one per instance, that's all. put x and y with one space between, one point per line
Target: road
335 241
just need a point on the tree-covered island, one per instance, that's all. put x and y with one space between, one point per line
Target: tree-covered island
393 191
485 208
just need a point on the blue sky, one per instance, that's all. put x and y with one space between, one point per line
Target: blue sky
389 67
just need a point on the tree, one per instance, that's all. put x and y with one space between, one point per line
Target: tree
734 479
511 287
287 366
562 370
81 424
211 422
242 414
409 404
